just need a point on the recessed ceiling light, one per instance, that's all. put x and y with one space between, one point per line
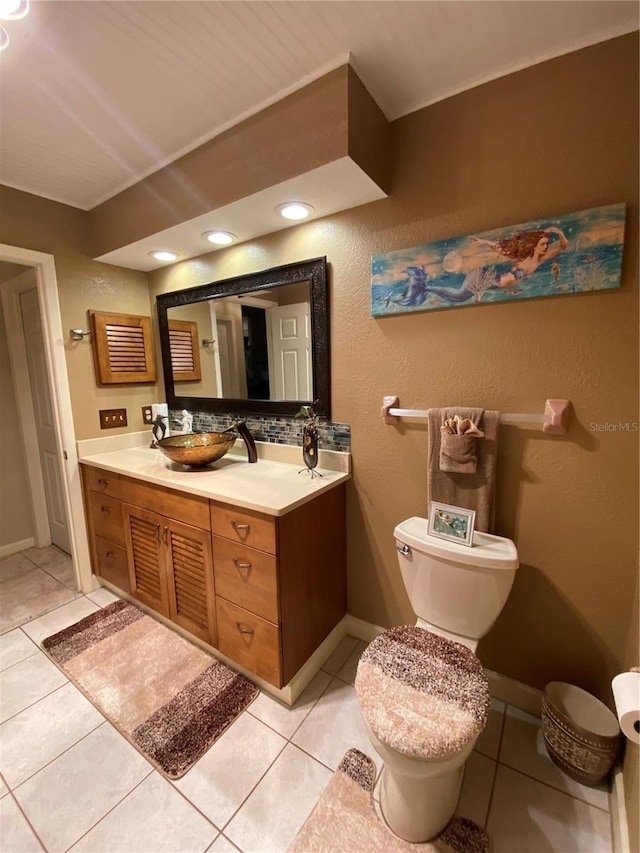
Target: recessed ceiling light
220 238
294 210
13 10
164 256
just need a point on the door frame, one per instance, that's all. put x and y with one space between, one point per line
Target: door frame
47 285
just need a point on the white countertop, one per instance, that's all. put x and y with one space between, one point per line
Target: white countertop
269 485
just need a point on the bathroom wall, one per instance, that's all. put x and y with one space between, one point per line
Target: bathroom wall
35 223
559 137
552 139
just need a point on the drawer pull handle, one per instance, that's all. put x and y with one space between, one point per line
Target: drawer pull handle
165 535
111 555
240 527
105 509
244 630
240 565
103 483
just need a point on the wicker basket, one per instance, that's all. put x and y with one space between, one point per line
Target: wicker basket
581 734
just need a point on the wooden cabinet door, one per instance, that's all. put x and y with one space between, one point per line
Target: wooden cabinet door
190 579
147 556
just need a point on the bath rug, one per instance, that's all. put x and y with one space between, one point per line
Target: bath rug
168 697
344 820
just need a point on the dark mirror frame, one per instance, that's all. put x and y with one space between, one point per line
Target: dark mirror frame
313 271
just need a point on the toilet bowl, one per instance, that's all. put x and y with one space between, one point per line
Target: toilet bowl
425 700
422 690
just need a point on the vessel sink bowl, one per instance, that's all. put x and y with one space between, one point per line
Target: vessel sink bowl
196 449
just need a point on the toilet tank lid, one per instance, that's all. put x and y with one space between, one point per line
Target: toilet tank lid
487 550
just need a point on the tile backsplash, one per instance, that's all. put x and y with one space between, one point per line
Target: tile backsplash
276 430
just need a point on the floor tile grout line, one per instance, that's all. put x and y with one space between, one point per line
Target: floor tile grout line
276 757
29 824
495 769
35 702
288 742
31 619
553 787
115 806
60 754
22 660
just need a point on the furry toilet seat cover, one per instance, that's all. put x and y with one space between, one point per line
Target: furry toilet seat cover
421 694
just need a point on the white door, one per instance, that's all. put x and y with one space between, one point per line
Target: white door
45 428
290 367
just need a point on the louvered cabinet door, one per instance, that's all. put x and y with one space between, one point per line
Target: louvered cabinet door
147 557
190 580
122 348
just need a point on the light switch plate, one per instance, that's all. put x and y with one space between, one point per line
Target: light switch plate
110 418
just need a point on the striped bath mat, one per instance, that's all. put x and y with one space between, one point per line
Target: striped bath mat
168 697
344 819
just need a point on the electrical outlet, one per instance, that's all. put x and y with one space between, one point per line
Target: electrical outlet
110 418
147 416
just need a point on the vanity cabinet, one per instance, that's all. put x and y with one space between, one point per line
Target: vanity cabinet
106 527
280 582
170 569
264 590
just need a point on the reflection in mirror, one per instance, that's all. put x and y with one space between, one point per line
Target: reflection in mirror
257 343
247 347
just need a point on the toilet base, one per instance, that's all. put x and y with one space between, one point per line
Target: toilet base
418 810
419 798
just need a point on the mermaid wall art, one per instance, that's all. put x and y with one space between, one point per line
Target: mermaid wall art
574 253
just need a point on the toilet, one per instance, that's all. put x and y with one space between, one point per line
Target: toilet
422 690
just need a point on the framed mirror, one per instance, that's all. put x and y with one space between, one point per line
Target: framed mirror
252 344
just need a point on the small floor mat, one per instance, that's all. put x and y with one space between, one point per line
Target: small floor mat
344 820
168 697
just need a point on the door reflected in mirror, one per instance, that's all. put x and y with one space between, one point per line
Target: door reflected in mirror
254 346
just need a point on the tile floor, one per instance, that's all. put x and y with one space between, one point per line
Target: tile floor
33 582
70 781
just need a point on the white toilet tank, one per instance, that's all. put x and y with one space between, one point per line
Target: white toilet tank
459 589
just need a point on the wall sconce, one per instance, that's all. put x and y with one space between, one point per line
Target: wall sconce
78 334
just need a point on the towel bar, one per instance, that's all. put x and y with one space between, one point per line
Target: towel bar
555 419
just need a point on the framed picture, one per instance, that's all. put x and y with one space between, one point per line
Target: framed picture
556 256
454 523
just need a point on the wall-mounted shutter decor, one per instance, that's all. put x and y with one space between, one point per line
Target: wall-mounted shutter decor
185 357
122 348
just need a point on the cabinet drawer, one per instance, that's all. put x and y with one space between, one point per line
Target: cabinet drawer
242 525
107 517
103 482
112 563
246 577
249 640
190 509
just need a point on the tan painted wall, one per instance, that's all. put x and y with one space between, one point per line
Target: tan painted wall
16 522
552 139
30 222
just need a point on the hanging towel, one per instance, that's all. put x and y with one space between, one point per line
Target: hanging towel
458 438
473 491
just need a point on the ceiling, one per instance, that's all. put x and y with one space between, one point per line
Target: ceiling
96 95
